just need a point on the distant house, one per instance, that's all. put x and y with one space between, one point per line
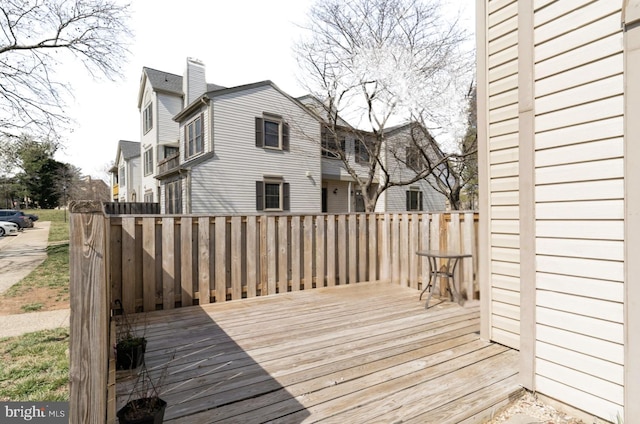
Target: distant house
253 148
125 174
558 127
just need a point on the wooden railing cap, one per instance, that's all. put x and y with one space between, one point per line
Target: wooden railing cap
85 206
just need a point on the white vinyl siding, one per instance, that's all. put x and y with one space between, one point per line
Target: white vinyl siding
504 171
218 187
579 192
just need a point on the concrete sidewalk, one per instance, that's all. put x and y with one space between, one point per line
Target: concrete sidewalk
16 325
19 255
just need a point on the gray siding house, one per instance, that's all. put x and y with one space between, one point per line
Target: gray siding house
209 149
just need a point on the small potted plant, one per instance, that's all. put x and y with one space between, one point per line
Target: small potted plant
144 405
129 347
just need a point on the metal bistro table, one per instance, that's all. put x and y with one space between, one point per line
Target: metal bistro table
452 259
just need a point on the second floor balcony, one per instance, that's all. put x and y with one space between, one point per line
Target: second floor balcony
169 164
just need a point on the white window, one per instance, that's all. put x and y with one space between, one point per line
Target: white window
414 199
272 132
331 148
272 195
413 158
147 118
122 176
363 151
148 197
148 161
193 137
173 197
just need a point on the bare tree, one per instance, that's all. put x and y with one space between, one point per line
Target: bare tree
377 63
453 174
37 37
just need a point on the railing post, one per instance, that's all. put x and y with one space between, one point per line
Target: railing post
89 321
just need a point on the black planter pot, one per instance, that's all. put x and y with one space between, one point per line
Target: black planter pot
130 353
143 411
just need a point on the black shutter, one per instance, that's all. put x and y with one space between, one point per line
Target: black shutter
259 196
259 133
420 201
185 142
285 136
285 197
408 194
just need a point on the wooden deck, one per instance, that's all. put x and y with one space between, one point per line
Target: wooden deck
361 353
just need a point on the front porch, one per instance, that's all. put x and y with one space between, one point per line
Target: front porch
365 352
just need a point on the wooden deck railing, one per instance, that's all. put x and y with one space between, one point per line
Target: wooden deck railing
164 262
152 262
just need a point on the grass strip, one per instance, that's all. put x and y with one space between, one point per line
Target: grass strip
35 366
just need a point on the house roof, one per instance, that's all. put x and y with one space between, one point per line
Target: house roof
220 91
165 81
129 149
169 82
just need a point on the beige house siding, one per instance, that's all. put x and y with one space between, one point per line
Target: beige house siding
552 97
503 196
579 204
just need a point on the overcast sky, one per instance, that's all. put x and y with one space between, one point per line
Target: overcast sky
240 42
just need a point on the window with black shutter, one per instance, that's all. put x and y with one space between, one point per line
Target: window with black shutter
272 132
272 195
414 200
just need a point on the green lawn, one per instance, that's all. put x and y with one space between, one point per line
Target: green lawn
35 366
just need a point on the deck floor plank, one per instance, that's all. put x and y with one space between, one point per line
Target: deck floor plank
367 352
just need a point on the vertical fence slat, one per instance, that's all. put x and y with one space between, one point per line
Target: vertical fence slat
320 251
467 247
342 256
236 257
168 263
115 253
308 252
404 250
453 244
331 250
186 261
385 254
395 249
128 265
413 248
436 220
296 253
362 247
271 255
252 266
220 225
353 248
264 271
424 245
89 341
373 246
283 247
204 254
149 264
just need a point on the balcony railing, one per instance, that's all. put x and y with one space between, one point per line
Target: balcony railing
169 164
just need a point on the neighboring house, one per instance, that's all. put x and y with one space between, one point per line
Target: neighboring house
125 174
558 127
210 149
161 97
